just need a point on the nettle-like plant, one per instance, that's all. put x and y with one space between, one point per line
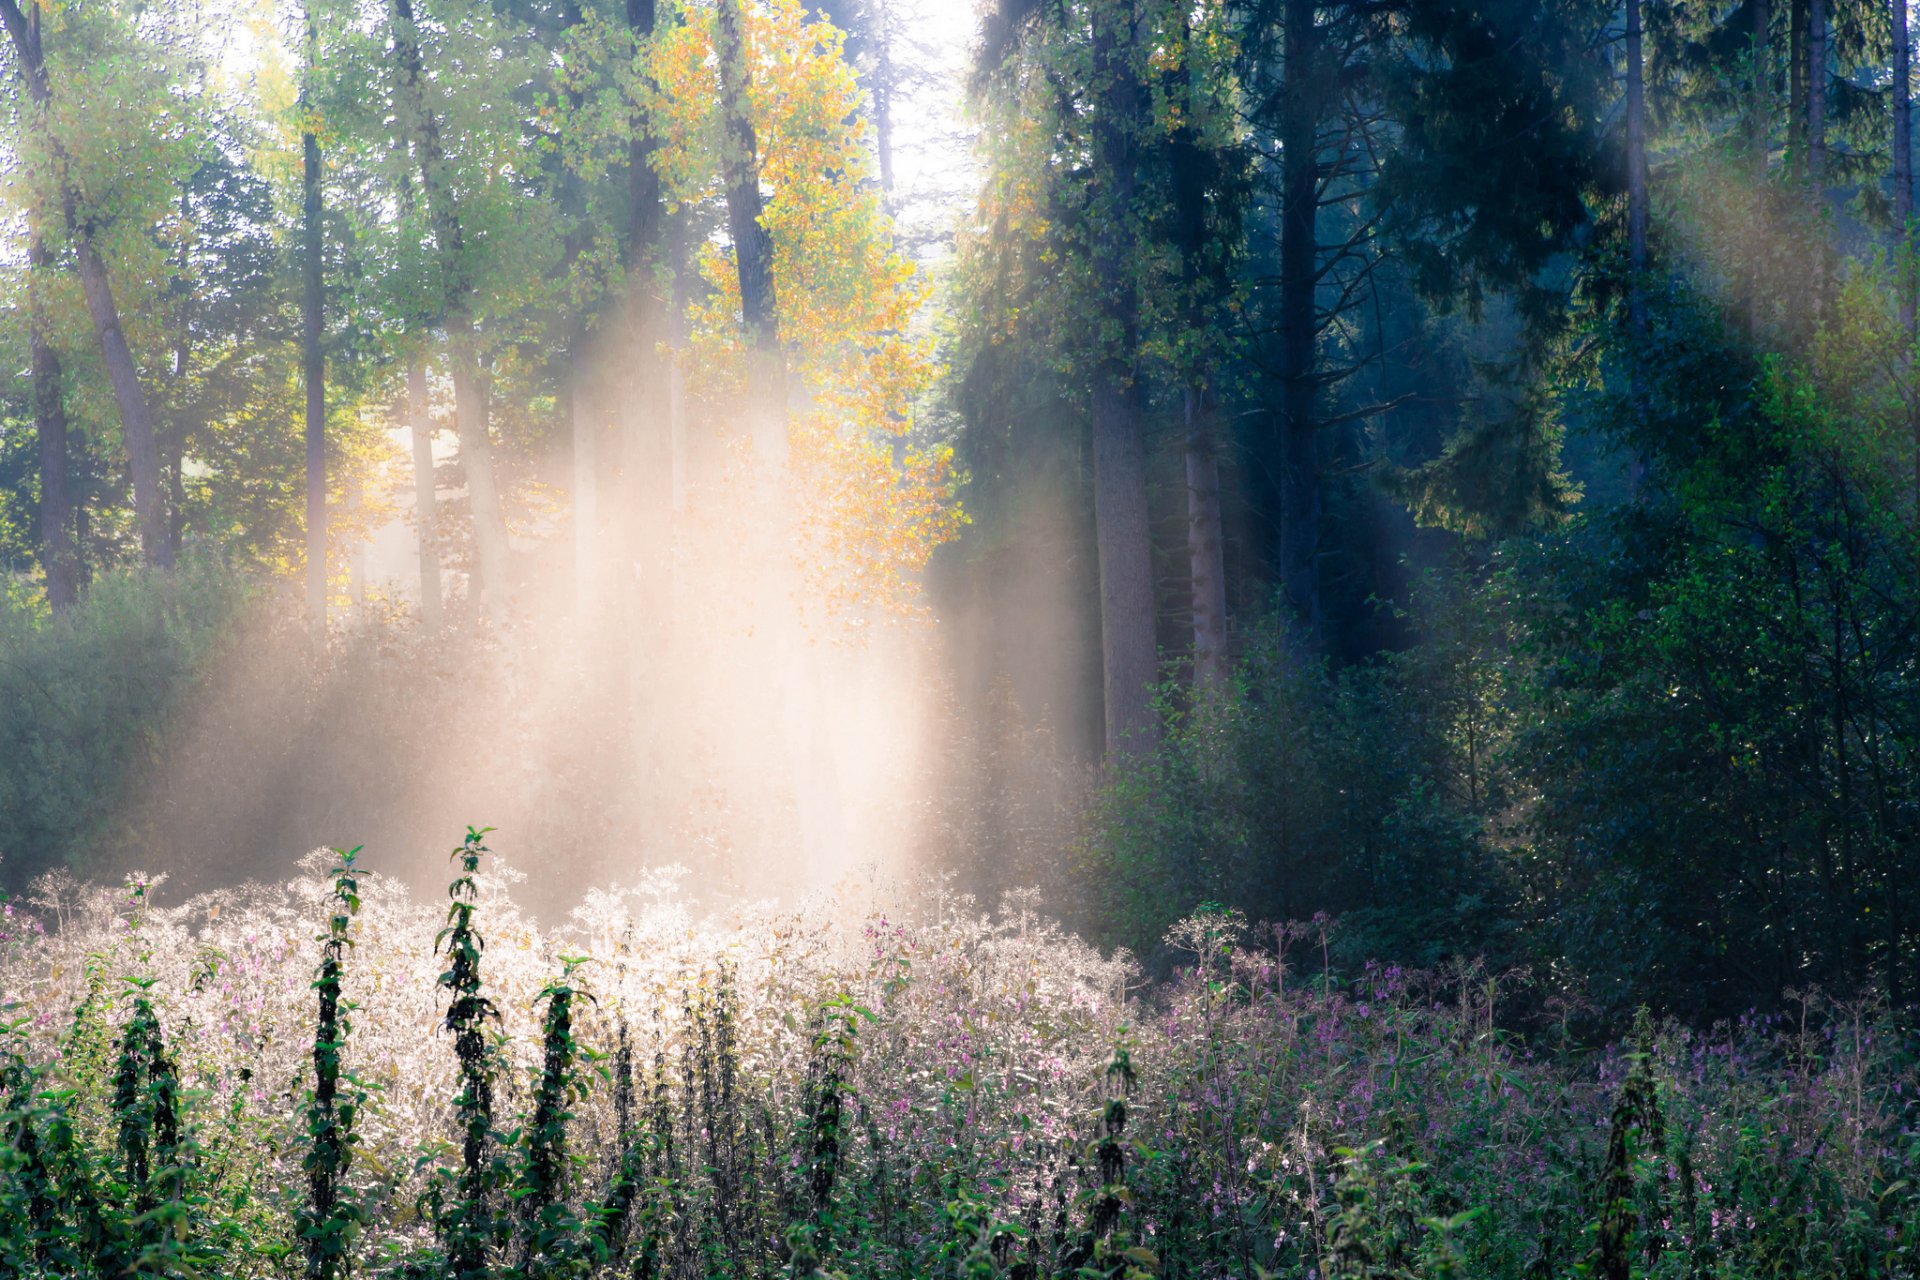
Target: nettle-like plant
553 1238
331 1218
466 1217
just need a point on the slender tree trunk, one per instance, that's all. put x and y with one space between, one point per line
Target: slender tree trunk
1205 559
1761 104
1760 133
586 495
1817 97
173 435
50 427
356 556
1797 22
425 503
136 416
313 362
1194 174
677 431
1637 218
1637 211
1299 382
470 415
677 336
752 247
883 86
1901 101
136 419
1122 534
647 424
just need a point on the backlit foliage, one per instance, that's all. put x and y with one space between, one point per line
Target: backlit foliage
876 496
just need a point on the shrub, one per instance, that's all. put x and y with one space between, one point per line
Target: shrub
84 702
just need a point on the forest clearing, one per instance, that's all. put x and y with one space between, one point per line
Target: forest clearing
1250 638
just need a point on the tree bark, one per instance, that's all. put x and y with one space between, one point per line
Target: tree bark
1817 96
1797 15
420 419
1760 138
57 557
136 415
1300 501
1205 559
1122 535
1194 174
1761 103
647 425
586 496
883 86
752 247
1637 218
470 414
1637 211
313 362
1901 97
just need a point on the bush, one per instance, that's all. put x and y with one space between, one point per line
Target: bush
1296 792
86 698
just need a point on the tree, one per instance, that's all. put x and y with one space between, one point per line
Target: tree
421 132
1900 106
425 503
1082 68
1129 658
58 558
1206 191
312 332
871 497
752 247
136 416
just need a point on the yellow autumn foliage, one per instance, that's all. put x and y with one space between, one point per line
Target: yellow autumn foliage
874 499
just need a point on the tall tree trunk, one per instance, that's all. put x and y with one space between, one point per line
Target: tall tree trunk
1205 558
586 494
425 504
1760 143
1901 102
1817 97
136 415
1797 16
1761 91
1121 531
1299 381
883 87
1637 211
57 556
677 335
1637 217
647 424
173 435
1904 237
752 247
1194 173
470 414
313 362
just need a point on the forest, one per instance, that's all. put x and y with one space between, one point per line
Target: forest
1090 639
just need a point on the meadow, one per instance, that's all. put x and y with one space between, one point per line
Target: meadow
329 1077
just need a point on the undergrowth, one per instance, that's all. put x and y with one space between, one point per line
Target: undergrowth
212 1089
